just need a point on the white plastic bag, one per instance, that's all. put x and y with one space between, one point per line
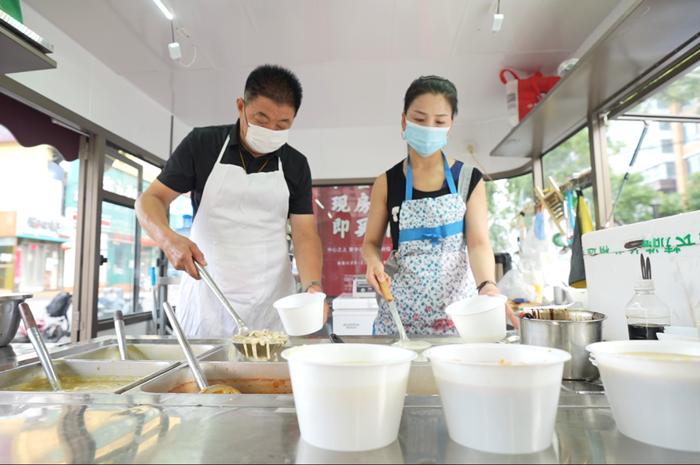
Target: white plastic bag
514 286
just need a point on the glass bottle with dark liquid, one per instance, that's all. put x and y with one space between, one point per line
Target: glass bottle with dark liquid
647 315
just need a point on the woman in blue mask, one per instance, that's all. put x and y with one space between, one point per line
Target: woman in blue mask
437 212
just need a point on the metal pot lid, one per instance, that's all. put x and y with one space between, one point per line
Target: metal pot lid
15 297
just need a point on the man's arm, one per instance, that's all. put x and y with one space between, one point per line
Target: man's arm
308 252
307 249
152 212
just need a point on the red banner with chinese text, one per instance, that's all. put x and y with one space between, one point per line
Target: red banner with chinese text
341 213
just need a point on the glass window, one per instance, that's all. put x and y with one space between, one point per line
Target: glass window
118 246
149 171
181 214
665 176
667 146
570 165
681 97
694 164
38 211
120 177
128 276
506 199
691 132
150 253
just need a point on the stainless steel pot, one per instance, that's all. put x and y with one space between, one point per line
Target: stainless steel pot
9 316
569 330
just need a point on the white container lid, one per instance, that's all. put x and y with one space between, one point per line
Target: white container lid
348 302
355 313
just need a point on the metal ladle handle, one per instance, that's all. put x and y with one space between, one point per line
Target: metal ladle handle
121 334
39 347
186 348
389 298
242 327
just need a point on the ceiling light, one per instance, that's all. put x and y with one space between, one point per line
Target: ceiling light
498 18
497 22
166 11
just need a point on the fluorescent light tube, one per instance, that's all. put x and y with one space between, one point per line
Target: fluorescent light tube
497 22
166 11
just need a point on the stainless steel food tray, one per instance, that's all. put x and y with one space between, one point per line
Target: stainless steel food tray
142 371
144 352
216 371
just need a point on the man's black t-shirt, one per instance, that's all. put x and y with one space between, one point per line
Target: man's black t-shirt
188 169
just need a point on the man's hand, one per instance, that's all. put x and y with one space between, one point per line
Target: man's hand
315 289
182 253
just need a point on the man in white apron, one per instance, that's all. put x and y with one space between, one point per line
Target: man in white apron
246 182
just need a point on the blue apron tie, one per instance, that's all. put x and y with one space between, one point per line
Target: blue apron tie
432 234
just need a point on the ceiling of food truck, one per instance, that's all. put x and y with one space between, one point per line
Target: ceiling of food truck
355 58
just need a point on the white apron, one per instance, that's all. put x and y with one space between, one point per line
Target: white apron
241 227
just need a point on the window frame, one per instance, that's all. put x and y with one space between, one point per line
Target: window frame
124 202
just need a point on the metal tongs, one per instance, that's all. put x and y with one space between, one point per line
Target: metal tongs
251 350
243 329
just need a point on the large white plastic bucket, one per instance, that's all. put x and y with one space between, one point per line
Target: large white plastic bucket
480 319
349 397
499 398
653 400
301 314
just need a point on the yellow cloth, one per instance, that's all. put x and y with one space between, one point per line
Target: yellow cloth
584 225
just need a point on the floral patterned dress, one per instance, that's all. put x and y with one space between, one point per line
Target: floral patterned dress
431 266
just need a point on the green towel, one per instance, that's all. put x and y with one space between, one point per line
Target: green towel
12 8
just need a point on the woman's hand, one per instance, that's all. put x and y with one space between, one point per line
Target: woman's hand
491 289
376 274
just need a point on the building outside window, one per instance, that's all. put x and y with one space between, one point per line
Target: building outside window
38 213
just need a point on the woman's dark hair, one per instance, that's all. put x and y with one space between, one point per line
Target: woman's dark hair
431 85
276 83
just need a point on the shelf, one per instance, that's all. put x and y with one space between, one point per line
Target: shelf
649 35
21 49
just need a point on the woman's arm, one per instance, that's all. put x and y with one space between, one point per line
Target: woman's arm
376 231
481 258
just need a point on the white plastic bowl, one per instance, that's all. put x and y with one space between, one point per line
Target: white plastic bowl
301 314
653 401
480 319
349 397
499 398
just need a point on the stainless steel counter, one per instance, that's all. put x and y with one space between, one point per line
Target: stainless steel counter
138 427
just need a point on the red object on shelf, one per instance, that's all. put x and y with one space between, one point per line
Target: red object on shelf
341 213
523 94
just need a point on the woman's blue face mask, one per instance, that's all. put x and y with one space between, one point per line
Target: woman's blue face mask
425 140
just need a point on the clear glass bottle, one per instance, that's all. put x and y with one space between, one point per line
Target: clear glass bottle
647 315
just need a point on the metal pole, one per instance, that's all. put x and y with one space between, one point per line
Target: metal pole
602 188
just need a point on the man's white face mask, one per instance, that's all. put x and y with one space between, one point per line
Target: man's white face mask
263 140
